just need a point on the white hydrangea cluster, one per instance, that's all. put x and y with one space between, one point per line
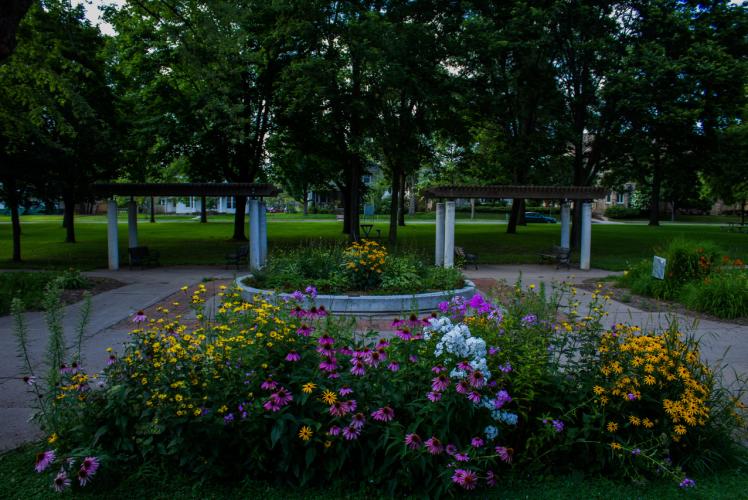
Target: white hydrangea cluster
457 340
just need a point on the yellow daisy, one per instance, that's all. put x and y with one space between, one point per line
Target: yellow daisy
305 433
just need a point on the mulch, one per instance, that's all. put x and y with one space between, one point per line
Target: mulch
98 285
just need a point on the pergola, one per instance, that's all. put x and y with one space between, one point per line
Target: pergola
258 240
445 212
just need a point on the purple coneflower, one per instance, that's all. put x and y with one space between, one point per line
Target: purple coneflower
477 442
43 459
490 478
397 323
464 366
434 396
477 379
271 405
462 457
383 414
383 343
61 481
334 431
465 478
338 409
29 380
283 396
440 383
374 358
358 369
451 449
305 330
333 375
139 317
413 441
350 405
321 312
502 398
298 312
345 390
351 433
434 446
358 420
83 476
404 333
474 397
326 340
112 359
393 366
329 364
293 356
326 351
268 384
505 454
438 369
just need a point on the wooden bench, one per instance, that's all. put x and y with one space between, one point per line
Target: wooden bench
238 257
559 255
469 258
142 256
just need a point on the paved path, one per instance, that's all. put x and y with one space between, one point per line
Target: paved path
146 288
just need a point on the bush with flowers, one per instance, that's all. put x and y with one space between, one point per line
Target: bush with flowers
460 399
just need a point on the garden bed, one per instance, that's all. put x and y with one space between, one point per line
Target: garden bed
362 304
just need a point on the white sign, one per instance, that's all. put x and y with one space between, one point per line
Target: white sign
658 267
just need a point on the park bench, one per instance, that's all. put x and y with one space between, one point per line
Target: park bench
142 256
238 257
469 258
559 255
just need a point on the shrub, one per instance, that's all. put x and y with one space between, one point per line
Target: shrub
621 212
364 264
29 287
401 274
724 294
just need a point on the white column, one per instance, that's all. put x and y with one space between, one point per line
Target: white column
565 219
255 254
439 261
132 223
263 234
112 235
586 236
449 234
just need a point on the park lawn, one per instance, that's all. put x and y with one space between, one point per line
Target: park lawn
183 241
19 481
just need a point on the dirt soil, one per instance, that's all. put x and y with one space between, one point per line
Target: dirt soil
99 285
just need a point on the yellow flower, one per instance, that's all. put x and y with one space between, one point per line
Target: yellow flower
679 429
635 421
612 426
647 423
598 390
52 438
329 397
178 398
308 387
305 433
615 446
328 444
649 380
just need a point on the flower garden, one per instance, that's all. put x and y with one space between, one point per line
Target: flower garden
460 400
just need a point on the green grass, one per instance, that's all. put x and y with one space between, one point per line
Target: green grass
19 481
183 241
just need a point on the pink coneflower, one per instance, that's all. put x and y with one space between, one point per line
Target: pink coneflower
112 359
404 333
383 343
28 380
397 323
139 317
334 431
91 464
326 351
374 358
43 459
477 379
465 478
293 356
505 454
338 409
434 446
413 441
329 364
464 366
490 478
350 432
438 369
393 366
434 396
305 330
271 405
462 457
474 397
321 312
383 414
61 481
477 442
326 340
502 398
462 387
83 476
350 405
333 375
358 420
451 449
440 383
298 312
283 396
413 358
358 369
268 385
345 390
492 351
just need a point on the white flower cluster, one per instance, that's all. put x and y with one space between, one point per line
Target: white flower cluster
457 341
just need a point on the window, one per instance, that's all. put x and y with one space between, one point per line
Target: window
607 198
619 198
366 179
230 202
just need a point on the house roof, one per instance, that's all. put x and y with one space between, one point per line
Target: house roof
531 192
185 189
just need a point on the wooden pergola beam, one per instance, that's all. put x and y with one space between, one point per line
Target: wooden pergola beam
508 191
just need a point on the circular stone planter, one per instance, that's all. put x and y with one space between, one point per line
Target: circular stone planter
369 304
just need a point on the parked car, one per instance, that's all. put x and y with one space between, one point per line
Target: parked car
538 217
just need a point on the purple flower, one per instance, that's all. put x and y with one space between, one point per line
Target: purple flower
413 358
492 351
334 430
529 320
305 330
345 390
477 442
444 306
687 483
465 478
413 441
384 414
404 333
438 369
61 481
358 420
434 396
558 425
311 291
358 369
631 396
29 380
91 464
138 318
329 364
350 432
636 451
451 449
393 367
326 340
505 454
461 457
43 459
479 304
297 295
502 398
474 397
268 385
440 383
293 356
228 418
506 367
490 478
462 387
434 446
477 379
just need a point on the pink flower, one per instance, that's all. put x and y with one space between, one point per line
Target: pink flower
438 369
434 396
461 457
268 385
477 442
462 387
293 356
29 380
490 478
404 333
465 478
440 383
477 379
83 476
350 405
383 414
358 420
345 390
338 409
329 364
351 433
434 446
451 449
413 441
393 367
138 318
91 464
358 369
43 459
61 481
326 340
474 397
334 430
305 330
284 397
505 454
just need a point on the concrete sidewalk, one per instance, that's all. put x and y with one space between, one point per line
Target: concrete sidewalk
143 288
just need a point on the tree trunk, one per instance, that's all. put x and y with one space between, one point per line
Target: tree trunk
355 195
518 205
413 205
472 208
203 210
742 213
346 210
394 202
241 206
401 201
10 186
306 202
673 209
153 210
654 202
68 216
